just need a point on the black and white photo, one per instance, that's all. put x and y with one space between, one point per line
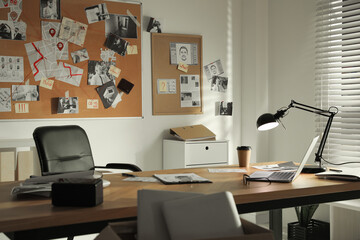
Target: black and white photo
155 25
80 55
98 72
121 25
12 30
25 93
50 9
186 53
213 69
68 105
226 108
107 93
219 84
117 44
97 13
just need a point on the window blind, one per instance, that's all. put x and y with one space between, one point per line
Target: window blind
337 76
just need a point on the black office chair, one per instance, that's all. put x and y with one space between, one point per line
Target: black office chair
67 149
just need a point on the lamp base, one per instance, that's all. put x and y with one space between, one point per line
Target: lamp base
313 169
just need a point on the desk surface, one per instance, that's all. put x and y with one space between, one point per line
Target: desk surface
120 199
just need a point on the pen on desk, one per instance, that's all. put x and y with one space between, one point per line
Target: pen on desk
128 175
335 170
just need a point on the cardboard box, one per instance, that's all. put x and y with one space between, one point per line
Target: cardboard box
7 166
127 230
193 133
25 165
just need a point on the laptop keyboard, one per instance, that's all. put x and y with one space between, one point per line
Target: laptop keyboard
282 175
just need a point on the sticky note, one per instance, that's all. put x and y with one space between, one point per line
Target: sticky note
21 108
114 71
132 49
163 86
183 67
47 83
92 104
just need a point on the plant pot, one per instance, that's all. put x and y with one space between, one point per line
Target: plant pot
316 230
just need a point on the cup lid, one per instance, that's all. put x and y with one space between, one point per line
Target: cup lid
243 148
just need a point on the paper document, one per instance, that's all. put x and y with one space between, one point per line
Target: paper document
278 167
181 178
229 170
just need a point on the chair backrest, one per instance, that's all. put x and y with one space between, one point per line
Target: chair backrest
63 149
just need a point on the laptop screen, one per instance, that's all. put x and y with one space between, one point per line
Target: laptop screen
306 156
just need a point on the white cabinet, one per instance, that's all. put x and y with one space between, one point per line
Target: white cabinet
181 154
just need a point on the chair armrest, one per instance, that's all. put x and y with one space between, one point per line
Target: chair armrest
127 166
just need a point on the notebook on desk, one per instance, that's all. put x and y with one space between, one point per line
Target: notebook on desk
284 176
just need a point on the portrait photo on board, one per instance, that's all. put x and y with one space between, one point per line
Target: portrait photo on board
25 93
68 105
98 72
97 13
50 9
117 44
121 25
184 53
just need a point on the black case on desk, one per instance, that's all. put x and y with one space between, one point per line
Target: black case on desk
85 194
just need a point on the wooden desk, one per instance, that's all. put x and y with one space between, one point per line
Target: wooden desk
40 218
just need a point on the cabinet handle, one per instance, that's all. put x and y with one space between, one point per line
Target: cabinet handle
206 148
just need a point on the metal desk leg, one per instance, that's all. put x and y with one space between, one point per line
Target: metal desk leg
275 223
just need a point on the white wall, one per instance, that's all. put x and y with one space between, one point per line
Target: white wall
139 141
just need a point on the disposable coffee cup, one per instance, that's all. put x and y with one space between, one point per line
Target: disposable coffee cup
244 153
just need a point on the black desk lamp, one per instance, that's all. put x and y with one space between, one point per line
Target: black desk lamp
269 121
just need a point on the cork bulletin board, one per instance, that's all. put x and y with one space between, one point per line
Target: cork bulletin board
176 90
88 96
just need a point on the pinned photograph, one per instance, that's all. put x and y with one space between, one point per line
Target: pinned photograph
154 25
224 108
80 55
98 72
107 93
12 30
25 93
97 13
121 25
117 44
68 105
50 9
219 84
184 53
213 69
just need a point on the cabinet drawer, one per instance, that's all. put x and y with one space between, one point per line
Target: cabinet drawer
206 153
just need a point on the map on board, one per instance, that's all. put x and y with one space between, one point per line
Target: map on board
42 59
69 74
50 32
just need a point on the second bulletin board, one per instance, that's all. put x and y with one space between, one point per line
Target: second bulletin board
176 92
47 105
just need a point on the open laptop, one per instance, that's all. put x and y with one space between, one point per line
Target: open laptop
283 176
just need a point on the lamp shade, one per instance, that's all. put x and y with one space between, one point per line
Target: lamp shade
266 121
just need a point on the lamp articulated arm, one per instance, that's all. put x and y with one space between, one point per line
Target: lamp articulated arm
327 113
